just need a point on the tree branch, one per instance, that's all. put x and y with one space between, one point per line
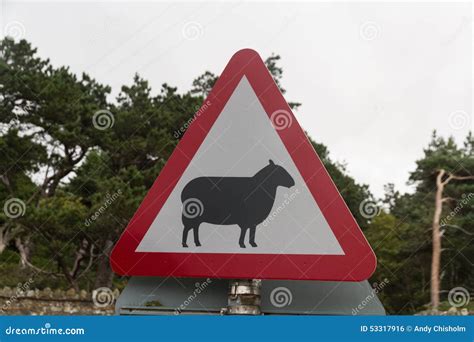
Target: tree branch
39 270
89 264
447 199
80 255
439 177
457 227
460 177
6 182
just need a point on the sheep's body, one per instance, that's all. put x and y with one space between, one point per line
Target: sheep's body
229 200
243 201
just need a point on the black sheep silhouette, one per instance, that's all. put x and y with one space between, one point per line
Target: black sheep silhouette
244 201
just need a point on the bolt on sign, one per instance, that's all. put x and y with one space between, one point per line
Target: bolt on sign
244 195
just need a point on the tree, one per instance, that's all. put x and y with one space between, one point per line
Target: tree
354 194
277 73
408 230
51 110
21 157
388 237
83 164
203 84
130 157
443 164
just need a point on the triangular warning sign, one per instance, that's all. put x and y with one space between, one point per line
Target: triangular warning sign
244 195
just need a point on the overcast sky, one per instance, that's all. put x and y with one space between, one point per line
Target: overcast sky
374 79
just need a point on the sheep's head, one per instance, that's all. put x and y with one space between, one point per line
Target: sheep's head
280 175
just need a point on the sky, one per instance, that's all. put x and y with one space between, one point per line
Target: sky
374 79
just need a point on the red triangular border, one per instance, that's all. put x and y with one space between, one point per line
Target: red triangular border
357 264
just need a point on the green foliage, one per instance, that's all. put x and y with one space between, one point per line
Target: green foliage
58 218
81 185
402 241
354 194
203 84
443 154
401 261
458 211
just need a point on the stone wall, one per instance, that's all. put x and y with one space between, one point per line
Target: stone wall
19 301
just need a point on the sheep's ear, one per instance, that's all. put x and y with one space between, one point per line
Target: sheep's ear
271 162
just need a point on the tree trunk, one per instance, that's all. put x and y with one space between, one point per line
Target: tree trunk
67 274
3 245
4 238
24 248
105 274
80 256
436 254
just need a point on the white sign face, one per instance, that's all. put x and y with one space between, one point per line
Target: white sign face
241 143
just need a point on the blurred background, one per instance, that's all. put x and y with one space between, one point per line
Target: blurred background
94 97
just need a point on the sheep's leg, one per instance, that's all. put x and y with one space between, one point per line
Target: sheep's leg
196 236
185 236
243 231
252 236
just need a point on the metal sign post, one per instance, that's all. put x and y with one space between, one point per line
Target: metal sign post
244 297
173 296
